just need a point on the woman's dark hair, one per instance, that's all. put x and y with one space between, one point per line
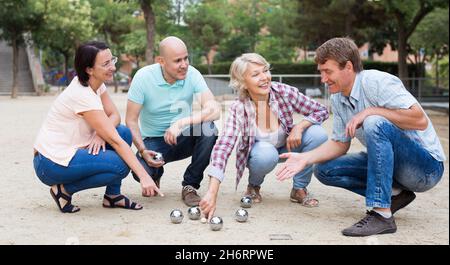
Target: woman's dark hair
85 57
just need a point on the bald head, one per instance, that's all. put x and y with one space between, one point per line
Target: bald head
173 58
171 45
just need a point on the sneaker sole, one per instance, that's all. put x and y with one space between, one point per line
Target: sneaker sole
387 231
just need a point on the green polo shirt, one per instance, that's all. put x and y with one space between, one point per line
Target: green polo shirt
163 103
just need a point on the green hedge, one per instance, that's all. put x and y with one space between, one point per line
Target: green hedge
308 68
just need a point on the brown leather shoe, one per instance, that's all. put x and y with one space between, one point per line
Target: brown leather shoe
189 196
253 192
303 197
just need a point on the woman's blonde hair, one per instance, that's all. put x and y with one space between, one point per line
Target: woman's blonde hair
239 68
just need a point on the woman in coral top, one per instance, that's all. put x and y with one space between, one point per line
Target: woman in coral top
81 144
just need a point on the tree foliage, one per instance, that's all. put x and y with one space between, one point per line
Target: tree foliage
64 33
432 35
209 24
223 29
16 18
430 40
403 18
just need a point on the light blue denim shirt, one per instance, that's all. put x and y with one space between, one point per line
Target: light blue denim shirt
374 88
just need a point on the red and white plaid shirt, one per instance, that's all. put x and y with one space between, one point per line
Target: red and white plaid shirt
284 100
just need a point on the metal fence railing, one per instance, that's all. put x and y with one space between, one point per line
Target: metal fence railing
428 91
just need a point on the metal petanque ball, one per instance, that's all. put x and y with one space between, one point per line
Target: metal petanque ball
246 202
158 157
176 216
194 213
216 223
241 215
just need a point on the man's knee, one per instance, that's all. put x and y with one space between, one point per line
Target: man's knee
204 129
372 124
321 173
209 130
125 133
209 133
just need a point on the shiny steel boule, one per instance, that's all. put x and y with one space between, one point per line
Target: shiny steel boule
158 157
246 202
241 215
194 213
216 223
176 216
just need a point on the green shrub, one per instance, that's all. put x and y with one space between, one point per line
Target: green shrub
309 68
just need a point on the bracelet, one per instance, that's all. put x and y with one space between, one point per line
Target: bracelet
142 151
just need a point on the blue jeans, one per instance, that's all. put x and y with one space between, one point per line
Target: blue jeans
197 142
392 160
264 157
85 170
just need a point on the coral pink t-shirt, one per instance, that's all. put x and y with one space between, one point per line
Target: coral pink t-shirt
65 131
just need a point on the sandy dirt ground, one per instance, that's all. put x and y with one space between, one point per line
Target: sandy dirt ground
28 214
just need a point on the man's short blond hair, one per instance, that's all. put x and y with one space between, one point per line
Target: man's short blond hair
238 69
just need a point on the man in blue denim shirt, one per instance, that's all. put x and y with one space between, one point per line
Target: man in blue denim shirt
403 155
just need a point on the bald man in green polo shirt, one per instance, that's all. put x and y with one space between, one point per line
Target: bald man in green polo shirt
160 116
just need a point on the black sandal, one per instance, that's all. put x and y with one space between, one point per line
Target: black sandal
68 207
113 203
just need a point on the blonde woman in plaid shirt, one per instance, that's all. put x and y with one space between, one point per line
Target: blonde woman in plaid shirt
262 120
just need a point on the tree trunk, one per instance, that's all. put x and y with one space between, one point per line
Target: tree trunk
116 85
405 30
437 71
66 68
348 24
210 57
305 57
402 54
209 67
149 16
370 54
15 67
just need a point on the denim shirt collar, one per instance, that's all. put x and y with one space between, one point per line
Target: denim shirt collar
355 95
